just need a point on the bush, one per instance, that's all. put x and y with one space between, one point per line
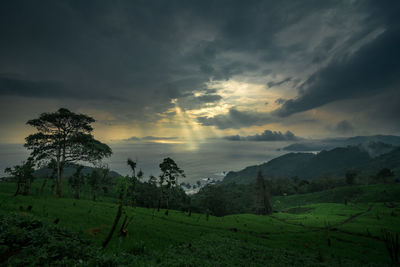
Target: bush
27 241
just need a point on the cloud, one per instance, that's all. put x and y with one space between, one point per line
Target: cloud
149 138
209 98
343 127
236 119
267 135
133 138
82 54
158 138
190 101
15 85
272 84
119 49
280 101
370 70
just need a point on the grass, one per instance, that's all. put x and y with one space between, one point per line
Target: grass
308 232
355 194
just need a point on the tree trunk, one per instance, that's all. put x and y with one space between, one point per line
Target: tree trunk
167 211
123 231
159 199
267 204
78 195
19 185
117 217
27 187
59 182
43 185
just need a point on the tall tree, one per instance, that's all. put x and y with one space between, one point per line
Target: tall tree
66 137
24 175
133 180
351 177
170 172
98 179
262 196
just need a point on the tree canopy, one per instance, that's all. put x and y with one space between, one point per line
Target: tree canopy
66 137
24 175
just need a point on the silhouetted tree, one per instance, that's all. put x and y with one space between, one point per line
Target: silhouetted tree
263 196
66 137
296 181
153 180
133 180
96 179
384 174
24 175
170 172
76 181
351 177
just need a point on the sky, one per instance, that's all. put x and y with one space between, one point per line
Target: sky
182 72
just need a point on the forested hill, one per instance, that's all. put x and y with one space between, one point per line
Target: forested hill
332 163
69 171
384 142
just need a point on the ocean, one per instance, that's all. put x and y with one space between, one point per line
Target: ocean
205 159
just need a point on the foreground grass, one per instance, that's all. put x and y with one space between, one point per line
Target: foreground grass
315 234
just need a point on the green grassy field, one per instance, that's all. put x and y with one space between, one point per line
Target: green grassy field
309 230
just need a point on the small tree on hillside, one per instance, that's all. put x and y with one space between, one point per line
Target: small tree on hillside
154 193
170 172
76 181
351 177
133 180
96 179
66 137
263 205
24 175
384 174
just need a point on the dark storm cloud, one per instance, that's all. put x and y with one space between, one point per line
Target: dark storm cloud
272 84
145 52
267 135
189 101
280 101
370 70
344 127
13 85
209 98
236 119
133 138
148 53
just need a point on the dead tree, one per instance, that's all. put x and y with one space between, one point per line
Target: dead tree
116 220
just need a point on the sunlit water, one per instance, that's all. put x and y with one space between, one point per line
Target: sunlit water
205 159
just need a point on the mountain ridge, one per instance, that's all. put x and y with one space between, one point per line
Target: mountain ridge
331 163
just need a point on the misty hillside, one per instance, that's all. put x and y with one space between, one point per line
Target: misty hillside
389 160
332 163
330 143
